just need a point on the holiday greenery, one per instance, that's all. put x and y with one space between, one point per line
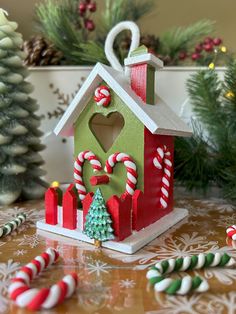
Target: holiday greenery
98 220
19 135
70 27
209 157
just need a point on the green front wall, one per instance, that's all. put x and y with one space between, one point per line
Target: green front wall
130 141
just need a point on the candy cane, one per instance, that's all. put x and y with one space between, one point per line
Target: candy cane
78 170
102 96
130 165
12 225
45 298
231 232
186 284
162 160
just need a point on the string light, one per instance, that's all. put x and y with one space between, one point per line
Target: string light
55 184
229 94
211 66
223 49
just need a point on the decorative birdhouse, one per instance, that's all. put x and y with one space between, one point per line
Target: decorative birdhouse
124 145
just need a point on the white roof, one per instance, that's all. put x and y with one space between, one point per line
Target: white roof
158 118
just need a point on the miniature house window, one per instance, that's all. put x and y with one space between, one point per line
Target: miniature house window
106 129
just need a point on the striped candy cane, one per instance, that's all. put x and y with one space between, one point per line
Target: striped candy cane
45 298
12 225
78 170
231 232
162 160
131 168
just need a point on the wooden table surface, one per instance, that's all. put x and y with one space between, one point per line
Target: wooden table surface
112 282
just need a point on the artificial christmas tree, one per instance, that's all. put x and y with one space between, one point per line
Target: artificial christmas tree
98 221
19 134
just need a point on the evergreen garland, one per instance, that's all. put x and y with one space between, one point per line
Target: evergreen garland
210 156
19 134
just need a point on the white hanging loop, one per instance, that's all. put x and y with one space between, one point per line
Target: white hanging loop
135 40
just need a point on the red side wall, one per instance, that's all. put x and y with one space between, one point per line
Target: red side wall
152 176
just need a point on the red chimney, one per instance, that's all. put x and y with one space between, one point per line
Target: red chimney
143 65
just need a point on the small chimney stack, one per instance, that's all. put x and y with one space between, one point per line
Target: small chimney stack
143 65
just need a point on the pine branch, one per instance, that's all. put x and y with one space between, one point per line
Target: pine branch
91 52
182 38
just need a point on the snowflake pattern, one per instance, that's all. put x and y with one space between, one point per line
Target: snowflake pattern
127 283
7 271
30 240
226 221
20 252
98 268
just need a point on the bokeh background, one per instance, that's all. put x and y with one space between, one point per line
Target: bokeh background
167 13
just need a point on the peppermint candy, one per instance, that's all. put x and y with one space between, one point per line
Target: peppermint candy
231 232
102 96
45 298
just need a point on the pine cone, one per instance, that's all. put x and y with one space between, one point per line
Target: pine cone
40 52
150 41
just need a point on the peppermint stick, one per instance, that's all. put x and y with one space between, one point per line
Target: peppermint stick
12 225
186 284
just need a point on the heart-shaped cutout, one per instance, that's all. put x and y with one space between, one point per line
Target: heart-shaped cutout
106 129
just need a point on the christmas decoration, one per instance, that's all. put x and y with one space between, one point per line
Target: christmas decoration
96 165
12 225
231 232
40 53
180 286
209 157
98 221
163 161
19 134
133 116
35 299
131 168
102 96
186 284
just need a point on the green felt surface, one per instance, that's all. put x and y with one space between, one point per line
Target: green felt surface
130 141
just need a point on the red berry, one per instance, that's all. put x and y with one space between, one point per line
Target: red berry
198 48
195 56
182 55
217 41
92 7
208 40
89 25
82 8
208 47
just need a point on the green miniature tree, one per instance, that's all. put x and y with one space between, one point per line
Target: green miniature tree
19 134
98 221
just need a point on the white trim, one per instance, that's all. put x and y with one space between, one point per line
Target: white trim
131 244
148 58
159 118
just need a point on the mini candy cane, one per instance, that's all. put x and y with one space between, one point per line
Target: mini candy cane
78 170
163 157
102 96
186 284
35 299
231 232
12 225
130 165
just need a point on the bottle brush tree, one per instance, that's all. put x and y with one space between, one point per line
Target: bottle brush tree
98 221
19 134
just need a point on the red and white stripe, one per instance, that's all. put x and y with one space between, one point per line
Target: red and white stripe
45 298
78 170
231 232
102 96
131 168
162 160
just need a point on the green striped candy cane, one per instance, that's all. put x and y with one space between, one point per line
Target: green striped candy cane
12 225
186 284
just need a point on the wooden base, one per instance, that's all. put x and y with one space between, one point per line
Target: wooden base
131 244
